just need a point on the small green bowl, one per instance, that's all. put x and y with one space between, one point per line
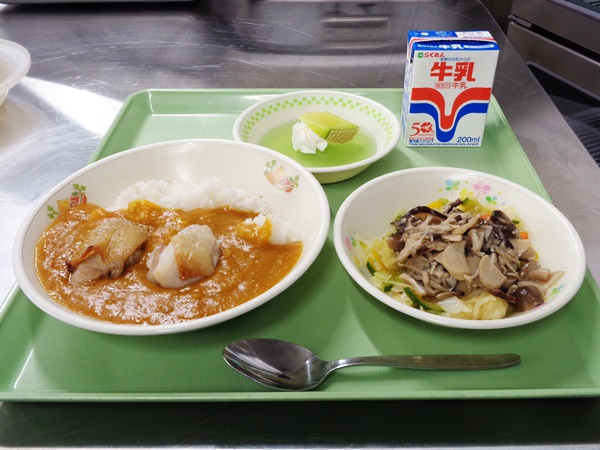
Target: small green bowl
380 123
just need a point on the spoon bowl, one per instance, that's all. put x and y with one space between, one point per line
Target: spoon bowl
290 367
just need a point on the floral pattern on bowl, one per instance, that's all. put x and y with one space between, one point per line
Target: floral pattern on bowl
77 197
480 191
278 177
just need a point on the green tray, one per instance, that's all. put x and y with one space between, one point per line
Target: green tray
42 359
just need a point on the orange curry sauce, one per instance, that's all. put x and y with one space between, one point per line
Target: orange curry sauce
249 265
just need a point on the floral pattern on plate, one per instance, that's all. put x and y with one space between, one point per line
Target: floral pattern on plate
278 177
77 197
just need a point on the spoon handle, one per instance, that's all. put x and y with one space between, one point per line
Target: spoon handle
433 362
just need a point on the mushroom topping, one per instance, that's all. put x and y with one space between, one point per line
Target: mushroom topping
452 206
470 223
500 221
527 297
417 216
532 270
456 254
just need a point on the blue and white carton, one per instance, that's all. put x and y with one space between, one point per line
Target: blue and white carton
447 87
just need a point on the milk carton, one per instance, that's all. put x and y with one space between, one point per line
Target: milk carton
447 87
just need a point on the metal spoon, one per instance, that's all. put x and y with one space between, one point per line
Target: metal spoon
290 367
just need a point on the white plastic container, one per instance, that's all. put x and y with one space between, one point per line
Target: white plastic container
14 65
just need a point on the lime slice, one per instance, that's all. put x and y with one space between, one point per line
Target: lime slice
330 127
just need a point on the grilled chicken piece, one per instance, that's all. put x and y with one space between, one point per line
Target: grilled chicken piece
106 249
192 254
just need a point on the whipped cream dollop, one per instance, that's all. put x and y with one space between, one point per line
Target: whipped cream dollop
306 140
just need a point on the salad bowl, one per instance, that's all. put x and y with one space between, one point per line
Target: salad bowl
366 214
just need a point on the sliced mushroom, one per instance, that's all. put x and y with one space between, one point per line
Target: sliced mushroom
419 290
511 281
533 270
476 237
527 297
446 295
503 295
419 213
502 222
545 285
464 287
452 237
451 206
466 226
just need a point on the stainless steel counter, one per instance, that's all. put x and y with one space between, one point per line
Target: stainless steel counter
86 59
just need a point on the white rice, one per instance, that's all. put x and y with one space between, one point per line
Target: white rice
208 193
281 232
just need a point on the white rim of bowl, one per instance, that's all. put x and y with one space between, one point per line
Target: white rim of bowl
371 159
54 309
19 60
507 322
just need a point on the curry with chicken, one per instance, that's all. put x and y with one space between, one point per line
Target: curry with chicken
99 263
